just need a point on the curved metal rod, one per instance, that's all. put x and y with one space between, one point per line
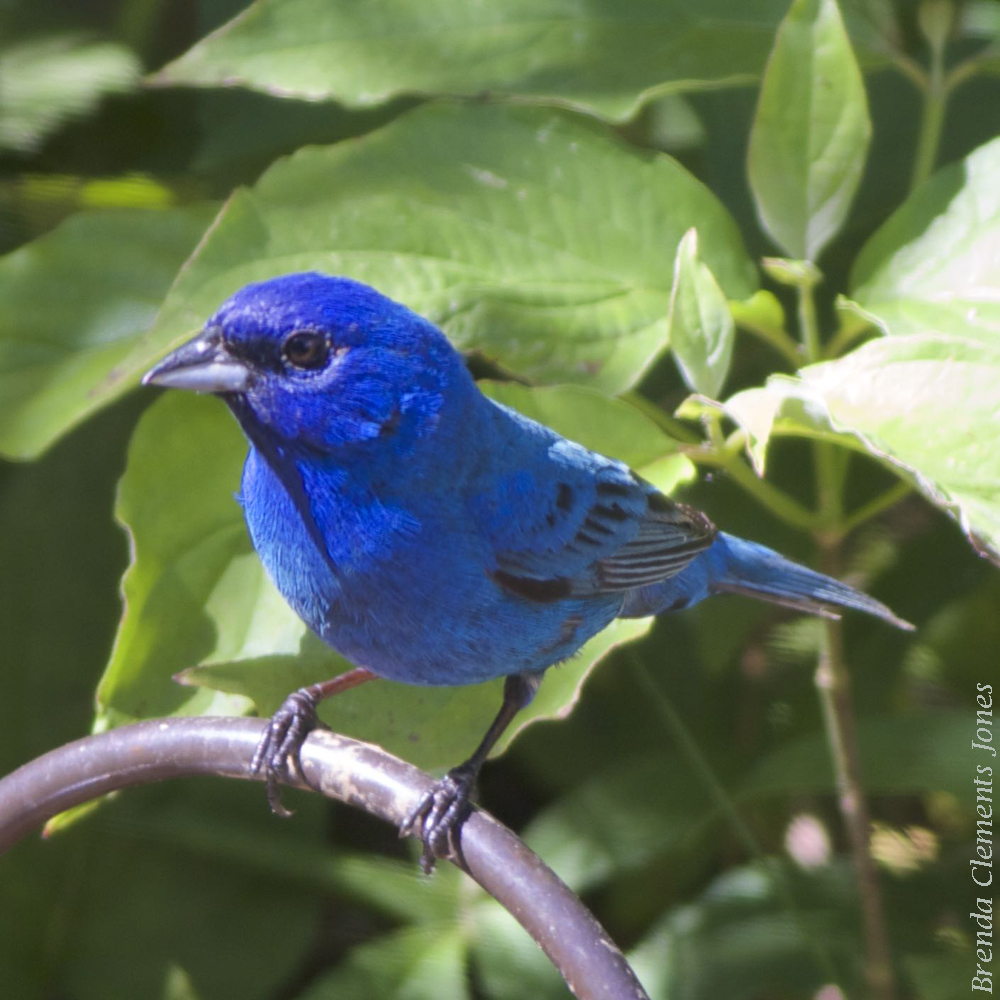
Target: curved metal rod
359 774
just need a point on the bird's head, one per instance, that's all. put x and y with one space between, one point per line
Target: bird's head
319 362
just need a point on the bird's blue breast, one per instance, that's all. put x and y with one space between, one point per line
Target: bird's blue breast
402 589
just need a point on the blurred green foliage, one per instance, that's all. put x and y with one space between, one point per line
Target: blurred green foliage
503 169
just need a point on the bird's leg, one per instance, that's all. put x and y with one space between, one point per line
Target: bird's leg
277 753
439 813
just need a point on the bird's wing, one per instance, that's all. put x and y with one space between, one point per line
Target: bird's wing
669 536
592 528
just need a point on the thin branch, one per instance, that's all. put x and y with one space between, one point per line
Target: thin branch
357 773
932 119
848 332
833 682
783 506
876 506
775 337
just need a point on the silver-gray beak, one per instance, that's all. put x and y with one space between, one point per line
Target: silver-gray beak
203 365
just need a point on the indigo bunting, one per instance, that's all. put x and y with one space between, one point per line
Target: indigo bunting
431 535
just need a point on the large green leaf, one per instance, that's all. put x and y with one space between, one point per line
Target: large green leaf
73 303
194 587
607 56
934 267
924 405
432 727
531 235
811 131
44 81
197 594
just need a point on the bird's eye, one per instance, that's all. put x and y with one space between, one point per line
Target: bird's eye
307 349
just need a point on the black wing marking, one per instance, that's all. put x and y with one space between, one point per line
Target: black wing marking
630 536
670 535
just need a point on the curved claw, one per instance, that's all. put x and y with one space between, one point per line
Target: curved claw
438 816
277 753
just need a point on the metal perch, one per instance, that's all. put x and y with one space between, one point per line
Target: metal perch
359 774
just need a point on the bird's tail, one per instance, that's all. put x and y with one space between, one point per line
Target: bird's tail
743 567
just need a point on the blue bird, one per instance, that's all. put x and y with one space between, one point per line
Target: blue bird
431 535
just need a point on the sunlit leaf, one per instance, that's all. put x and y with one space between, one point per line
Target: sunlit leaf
811 131
701 325
934 267
74 302
606 56
924 405
195 587
532 236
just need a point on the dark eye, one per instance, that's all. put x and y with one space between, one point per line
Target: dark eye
306 349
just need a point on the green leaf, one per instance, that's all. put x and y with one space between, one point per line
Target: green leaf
139 864
753 931
762 311
811 132
431 727
924 406
934 266
509 964
701 325
607 56
195 587
74 302
533 236
44 81
60 549
426 962
620 817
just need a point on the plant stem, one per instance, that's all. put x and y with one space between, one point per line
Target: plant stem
777 338
673 427
932 120
845 335
833 685
910 68
875 506
808 322
969 68
767 495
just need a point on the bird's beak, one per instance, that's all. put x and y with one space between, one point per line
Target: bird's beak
203 365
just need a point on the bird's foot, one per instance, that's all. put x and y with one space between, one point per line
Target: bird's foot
277 753
438 815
